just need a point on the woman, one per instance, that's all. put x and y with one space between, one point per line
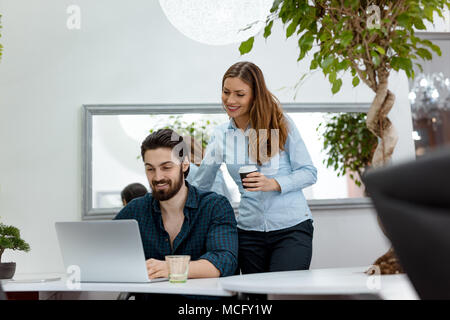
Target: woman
274 222
196 155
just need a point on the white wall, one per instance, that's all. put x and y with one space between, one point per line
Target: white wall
129 53
345 238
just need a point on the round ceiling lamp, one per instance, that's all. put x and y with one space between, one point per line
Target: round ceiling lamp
217 22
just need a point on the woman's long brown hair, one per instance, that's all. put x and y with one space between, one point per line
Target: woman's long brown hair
265 113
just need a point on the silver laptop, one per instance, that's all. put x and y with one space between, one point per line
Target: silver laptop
104 251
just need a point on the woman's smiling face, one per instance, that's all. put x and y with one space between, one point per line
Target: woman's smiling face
237 97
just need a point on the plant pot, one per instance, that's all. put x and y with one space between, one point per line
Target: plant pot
7 270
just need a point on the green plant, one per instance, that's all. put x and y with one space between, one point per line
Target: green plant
348 143
367 38
10 239
198 130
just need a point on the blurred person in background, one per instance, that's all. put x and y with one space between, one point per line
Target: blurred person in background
131 191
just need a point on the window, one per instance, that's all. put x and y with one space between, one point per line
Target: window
113 135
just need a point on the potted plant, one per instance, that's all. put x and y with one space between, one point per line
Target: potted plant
10 239
348 144
367 38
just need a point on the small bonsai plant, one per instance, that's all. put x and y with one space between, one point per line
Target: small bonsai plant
10 239
348 143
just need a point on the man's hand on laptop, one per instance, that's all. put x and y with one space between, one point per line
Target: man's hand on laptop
157 269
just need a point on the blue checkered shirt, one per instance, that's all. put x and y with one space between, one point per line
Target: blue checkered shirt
208 232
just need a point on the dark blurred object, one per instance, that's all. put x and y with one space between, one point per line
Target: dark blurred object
430 109
413 203
2 293
132 191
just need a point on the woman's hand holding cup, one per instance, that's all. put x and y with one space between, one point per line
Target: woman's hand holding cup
252 180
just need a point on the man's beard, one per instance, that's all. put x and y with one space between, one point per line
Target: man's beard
171 191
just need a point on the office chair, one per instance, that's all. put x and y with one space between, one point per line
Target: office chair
412 201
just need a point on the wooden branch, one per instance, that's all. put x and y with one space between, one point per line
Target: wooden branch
360 74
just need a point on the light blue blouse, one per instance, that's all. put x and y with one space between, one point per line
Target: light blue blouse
292 168
219 186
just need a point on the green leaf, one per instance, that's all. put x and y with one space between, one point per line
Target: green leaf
404 20
346 38
424 54
336 86
355 81
306 40
324 36
428 12
418 23
268 29
246 46
419 66
402 63
327 62
380 50
276 5
375 58
291 28
436 49
305 43
332 77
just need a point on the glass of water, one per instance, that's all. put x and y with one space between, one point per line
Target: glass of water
178 268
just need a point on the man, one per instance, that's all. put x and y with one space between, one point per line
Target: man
177 218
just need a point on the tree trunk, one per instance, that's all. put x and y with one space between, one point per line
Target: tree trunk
380 125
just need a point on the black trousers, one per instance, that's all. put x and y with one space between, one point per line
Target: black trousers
281 250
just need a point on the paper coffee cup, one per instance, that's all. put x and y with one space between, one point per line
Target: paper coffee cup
244 171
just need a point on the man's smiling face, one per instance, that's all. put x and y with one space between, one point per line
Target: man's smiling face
164 173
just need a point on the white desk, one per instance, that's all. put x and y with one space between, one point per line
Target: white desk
290 284
210 286
340 281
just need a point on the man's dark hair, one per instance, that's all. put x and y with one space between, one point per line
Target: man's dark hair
166 138
134 190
